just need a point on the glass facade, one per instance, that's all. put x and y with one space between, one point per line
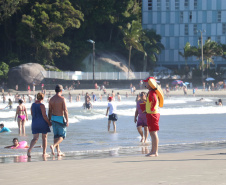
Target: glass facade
180 21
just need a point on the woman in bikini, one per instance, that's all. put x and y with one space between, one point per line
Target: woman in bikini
21 115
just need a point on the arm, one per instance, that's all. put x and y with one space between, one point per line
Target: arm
153 99
43 109
31 109
107 111
65 113
50 110
135 117
25 110
17 110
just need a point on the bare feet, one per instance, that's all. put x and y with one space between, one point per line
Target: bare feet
60 154
152 154
45 155
142 140
52 149
29 153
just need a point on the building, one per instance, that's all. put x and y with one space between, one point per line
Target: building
182 21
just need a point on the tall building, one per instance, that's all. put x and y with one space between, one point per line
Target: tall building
182 21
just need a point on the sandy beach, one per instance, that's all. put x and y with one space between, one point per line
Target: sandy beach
196 167
198 92
201 167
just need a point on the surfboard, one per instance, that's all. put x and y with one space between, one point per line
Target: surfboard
158 90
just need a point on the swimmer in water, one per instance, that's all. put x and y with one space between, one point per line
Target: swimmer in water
219 102
16 144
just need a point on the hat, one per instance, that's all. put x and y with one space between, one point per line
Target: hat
110 98
59 88
148 79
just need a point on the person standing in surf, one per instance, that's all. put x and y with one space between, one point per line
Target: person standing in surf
152 115
142 120
112 114
57 112
21 116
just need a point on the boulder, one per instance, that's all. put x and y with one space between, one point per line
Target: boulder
24 75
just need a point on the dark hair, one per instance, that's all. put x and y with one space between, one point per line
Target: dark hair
20 101
15 139
1 125
40 96
142 93
58 88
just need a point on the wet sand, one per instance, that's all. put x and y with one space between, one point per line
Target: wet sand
195 167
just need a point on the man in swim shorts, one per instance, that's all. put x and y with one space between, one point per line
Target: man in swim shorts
58 111
112 113
152 114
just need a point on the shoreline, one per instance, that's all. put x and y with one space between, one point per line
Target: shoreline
198 92
191 167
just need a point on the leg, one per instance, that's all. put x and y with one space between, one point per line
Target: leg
155 142
44 144
109 124
57 141
19 125
32 144
139 128
114 124
23 127
145 134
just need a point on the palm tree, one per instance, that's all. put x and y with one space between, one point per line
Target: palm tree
211 49
132 38
152 46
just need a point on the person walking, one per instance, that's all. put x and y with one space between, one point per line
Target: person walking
57 112
40 124
112 114
152 115
21 115
142 120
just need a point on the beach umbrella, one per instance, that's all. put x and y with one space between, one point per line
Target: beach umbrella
175 82
210 79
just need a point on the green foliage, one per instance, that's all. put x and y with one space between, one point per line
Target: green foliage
9 7
4 69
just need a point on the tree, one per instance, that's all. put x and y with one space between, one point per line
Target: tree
45 24
132 38
9 7
210 49
4 69
152 47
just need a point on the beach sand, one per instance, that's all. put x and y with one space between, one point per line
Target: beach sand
198 92
190 168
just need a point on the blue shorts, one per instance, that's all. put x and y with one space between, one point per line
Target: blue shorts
58 130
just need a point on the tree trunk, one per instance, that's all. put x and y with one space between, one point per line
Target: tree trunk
145 62
130 48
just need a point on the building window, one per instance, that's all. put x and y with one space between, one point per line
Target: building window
186 4
177 5
195 4
167 5
224 28
190 17
219 39
181 17
195 29
219 16
149 4
158 4
186 29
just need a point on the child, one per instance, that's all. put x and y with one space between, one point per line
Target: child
16 144
4 129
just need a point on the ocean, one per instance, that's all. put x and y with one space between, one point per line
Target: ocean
185 124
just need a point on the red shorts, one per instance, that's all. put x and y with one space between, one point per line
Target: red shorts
153 122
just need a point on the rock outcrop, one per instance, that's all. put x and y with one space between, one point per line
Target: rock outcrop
25 74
